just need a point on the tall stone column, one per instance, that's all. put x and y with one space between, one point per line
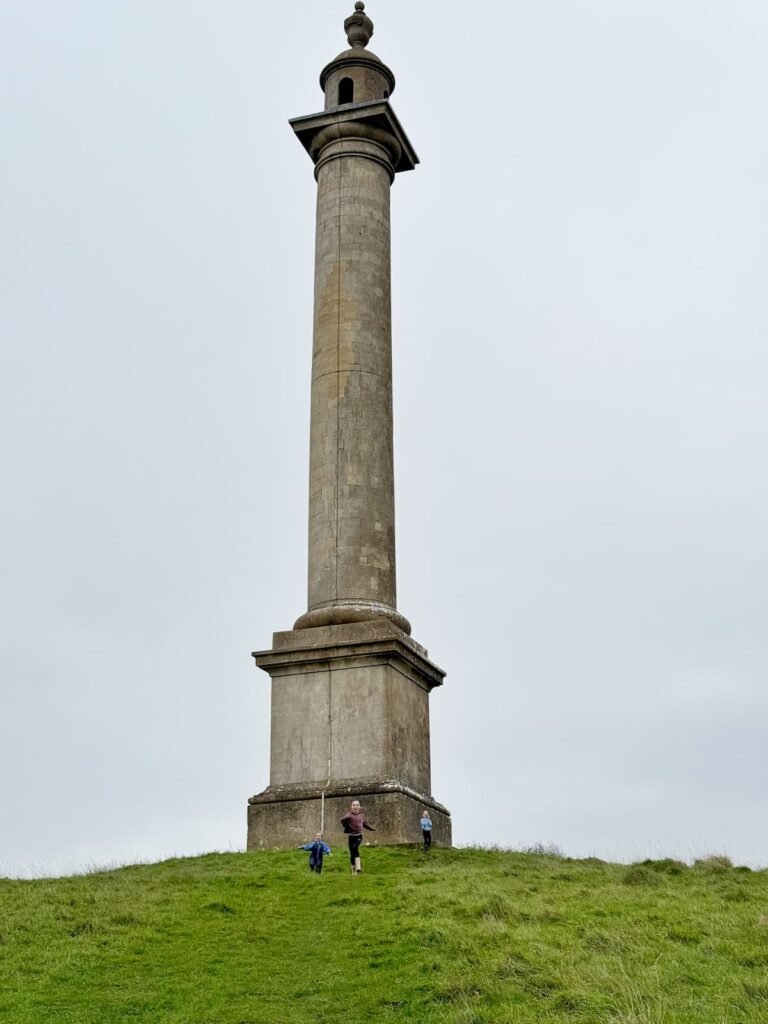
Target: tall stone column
350 688
351 489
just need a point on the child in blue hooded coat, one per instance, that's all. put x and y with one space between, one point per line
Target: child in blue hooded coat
317 850
426 830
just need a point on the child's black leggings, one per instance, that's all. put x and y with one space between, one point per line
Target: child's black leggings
354 847
427 833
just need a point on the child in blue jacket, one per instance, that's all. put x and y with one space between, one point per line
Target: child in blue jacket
426 830
317 849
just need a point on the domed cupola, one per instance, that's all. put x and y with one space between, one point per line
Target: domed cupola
357 75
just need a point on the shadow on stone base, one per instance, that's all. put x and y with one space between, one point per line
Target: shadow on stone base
287 816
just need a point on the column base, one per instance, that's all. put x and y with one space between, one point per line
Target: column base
285 816
337 613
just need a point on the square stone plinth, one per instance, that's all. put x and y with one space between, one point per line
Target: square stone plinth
350 718
283 819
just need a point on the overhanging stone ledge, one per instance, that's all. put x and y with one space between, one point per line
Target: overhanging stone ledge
332 634
423 671
347 788
377 114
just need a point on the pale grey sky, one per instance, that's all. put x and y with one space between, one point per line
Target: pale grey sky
580 321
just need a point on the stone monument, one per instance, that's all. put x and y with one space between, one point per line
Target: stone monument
350 688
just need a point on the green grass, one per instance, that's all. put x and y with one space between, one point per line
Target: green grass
459 936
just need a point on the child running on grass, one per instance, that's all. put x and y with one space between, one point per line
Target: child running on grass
317 849
353 823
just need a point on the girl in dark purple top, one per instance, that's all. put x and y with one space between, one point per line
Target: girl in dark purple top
353 823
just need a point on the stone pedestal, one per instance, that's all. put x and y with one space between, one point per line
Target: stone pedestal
289 816
350 719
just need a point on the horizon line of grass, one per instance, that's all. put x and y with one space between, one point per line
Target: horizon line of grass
536 849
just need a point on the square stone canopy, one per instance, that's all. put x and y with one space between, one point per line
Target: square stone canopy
375 113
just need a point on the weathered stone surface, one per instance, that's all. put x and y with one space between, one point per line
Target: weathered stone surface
344 633
351 476
358 26
351 709
278 820
371 80
377 115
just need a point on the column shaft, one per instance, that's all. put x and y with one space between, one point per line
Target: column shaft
351 484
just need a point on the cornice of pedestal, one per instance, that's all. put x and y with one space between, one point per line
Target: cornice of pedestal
346 789
348 645
374 121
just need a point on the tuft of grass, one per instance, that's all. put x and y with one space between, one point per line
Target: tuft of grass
459 937
717 862
639 875
667 866
220 908
544 850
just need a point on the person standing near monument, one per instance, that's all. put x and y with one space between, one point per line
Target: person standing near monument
353 823
426 829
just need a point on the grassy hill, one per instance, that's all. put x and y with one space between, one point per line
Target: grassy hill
462 937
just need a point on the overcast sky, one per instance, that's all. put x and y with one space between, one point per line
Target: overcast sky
580 325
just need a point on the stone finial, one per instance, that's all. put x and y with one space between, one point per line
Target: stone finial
358 26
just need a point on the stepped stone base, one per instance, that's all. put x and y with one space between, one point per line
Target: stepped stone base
286 816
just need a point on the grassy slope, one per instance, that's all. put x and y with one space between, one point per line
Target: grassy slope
459 936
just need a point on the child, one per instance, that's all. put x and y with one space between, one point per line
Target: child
426 829
317 848
353 823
